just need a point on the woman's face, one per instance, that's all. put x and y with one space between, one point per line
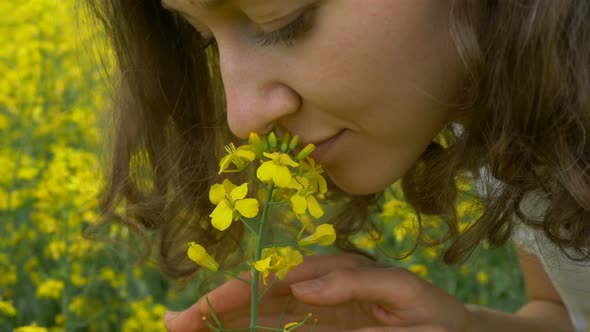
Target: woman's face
370 82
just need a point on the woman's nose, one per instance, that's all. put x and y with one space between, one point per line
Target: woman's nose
256 97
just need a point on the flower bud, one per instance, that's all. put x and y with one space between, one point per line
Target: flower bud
198 255
294 141
285 142
304 153
272 139
257 143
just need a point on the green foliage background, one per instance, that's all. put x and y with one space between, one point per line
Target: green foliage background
51 95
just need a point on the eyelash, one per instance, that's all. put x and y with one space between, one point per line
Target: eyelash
286 34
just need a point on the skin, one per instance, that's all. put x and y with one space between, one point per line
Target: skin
385 75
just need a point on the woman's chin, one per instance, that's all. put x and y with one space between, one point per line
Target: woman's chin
356 185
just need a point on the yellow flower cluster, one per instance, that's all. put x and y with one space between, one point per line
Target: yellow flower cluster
31 328
50 289
147 317
282 176
7 309
278 260
298 179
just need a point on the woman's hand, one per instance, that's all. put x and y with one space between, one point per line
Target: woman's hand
344 292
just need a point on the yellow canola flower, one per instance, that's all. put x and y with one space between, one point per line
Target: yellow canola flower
419 269
231 204
241 157
30 328
7 309
276 169
482 278
304 200
324 234
50 289
280 260
199 255
313 172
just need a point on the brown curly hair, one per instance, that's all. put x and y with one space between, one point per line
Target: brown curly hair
524 117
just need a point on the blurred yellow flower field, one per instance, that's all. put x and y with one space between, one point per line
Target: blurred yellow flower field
52 94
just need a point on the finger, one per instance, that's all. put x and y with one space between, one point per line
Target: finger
416 328
371 285
235 293
191 319
315 266
390 289
184 321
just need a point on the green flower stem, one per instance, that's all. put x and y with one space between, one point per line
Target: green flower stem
265 328
253 177
213 314
300 234
234 276
259 246
248 226
279 203
315 323
272 283
301 323
290 244
282 317
213 328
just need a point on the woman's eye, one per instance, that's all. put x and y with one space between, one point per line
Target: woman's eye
285 35
289 33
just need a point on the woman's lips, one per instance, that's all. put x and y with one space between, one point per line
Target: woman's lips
323 148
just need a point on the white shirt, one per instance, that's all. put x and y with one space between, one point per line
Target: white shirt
571 279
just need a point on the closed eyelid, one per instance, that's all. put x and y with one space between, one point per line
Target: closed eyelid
268 24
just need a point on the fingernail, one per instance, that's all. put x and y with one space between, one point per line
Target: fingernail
306 287
168 318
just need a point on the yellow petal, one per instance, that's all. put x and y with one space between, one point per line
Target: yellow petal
292 256
324 234
262 265
272 156
281 176
291 259
299 204
314 207
216 193
247 207
196 252
198 255
323 186
245 152
239 192
285 160
221 217
265 171
295 183
228 185
224 163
